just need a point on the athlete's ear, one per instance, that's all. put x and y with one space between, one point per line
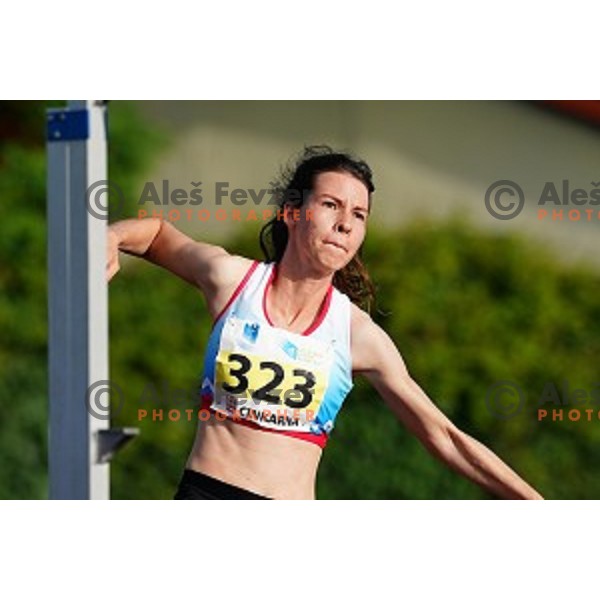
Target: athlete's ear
288 214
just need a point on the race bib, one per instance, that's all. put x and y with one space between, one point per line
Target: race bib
271 376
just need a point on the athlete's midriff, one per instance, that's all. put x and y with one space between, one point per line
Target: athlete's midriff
278 466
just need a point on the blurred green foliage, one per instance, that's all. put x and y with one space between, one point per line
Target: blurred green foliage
466 309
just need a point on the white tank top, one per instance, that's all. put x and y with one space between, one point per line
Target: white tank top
267 377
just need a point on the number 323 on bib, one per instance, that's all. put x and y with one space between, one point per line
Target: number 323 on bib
250 381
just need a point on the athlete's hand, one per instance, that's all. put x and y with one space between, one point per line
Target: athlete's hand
112 254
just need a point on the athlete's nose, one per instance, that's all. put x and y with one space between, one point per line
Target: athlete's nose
343 224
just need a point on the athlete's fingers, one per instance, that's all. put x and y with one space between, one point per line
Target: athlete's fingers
112 255
111 270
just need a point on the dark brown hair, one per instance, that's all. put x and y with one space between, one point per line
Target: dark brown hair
294 184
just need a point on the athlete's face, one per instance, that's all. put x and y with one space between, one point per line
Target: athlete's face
339 209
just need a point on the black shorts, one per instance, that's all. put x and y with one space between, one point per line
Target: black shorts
198 486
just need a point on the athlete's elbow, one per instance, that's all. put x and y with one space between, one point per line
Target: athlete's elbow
438 440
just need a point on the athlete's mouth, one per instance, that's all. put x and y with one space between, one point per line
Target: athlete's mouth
336 245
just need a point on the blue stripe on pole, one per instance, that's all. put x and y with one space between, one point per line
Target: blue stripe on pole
67 125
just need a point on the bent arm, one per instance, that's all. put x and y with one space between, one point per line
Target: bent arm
162 244
135 236
385 369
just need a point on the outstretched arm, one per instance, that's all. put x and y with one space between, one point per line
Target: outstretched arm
375 355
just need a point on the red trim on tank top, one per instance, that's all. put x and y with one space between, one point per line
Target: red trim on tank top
318 320
237 290
320 439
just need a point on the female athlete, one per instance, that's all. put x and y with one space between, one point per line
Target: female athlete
289 334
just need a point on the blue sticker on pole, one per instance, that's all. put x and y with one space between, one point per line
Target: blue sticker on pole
67 125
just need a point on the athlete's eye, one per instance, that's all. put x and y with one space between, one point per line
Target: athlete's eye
329 203
361 216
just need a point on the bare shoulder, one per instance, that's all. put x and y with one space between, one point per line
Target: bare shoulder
227 272
208 267
228 269
372 348
362 327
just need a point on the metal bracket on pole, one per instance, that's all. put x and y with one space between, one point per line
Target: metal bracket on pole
112 440
77 302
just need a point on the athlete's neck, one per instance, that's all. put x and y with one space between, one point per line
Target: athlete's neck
296 293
